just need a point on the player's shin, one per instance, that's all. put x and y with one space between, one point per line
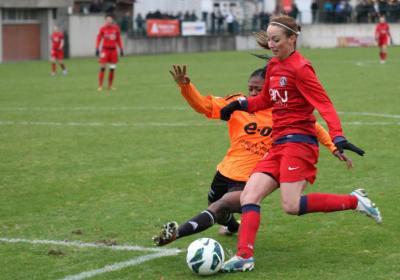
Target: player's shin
321 202
110 77
248 230
101 76
197 224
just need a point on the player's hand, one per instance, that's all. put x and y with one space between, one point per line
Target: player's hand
228 110
179 75
342 144
97 52
121 52
344 158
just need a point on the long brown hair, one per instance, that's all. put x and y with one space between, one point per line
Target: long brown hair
292 28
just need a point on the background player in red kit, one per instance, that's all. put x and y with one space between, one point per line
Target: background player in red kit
110 38
293 91
57 51
382 37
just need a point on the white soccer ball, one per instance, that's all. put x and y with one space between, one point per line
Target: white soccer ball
205 256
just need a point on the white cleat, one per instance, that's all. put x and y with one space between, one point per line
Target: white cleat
366 206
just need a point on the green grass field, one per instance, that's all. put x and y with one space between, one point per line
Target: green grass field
77 165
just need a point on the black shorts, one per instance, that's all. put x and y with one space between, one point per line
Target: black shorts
222 185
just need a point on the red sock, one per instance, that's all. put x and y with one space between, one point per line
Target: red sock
248 230
62 66
381 55
53 68
110 78
101 77
384 55
322 202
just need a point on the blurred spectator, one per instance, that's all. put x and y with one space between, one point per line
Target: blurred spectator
264 20
213 22
193 16
254 22
328 11
230 22
314 11
363 9
109 7
96 7
294 11
220 23
140 25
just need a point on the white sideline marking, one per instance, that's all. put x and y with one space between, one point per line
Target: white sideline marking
88 245
159 252
117 266
392 116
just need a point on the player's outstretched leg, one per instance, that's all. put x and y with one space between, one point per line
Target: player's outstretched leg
168 233
365 205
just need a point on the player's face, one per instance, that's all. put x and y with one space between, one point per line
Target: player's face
55 28
280 45
109 20
382 19
255 85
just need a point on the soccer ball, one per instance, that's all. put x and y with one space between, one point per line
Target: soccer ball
205 256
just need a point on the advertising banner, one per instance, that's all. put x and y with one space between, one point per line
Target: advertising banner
190 28
162 28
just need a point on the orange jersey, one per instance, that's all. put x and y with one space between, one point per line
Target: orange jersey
250 134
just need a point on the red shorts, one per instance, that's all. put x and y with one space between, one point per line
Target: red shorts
290 162
383 41
57 54
108 56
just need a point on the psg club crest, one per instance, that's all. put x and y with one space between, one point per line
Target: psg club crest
283 81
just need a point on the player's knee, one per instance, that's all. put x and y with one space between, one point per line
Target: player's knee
102 69
290 207
249 197
220 209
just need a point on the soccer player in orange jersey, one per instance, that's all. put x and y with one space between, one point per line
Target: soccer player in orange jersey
110 38
250 137
382 37
57 52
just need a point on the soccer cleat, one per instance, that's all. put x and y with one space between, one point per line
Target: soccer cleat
223 230
100 88
238 264
365 205
168 233
53 74
65 72
111 88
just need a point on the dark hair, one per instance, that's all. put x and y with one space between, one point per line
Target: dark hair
109 15
288 21
259 73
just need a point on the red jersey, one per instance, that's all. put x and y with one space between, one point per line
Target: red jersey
382 30
293 91
111 37
56 40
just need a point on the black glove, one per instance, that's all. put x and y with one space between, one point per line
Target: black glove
97 52
342 144
227 111
121 52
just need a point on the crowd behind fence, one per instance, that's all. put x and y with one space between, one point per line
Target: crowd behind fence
218 23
